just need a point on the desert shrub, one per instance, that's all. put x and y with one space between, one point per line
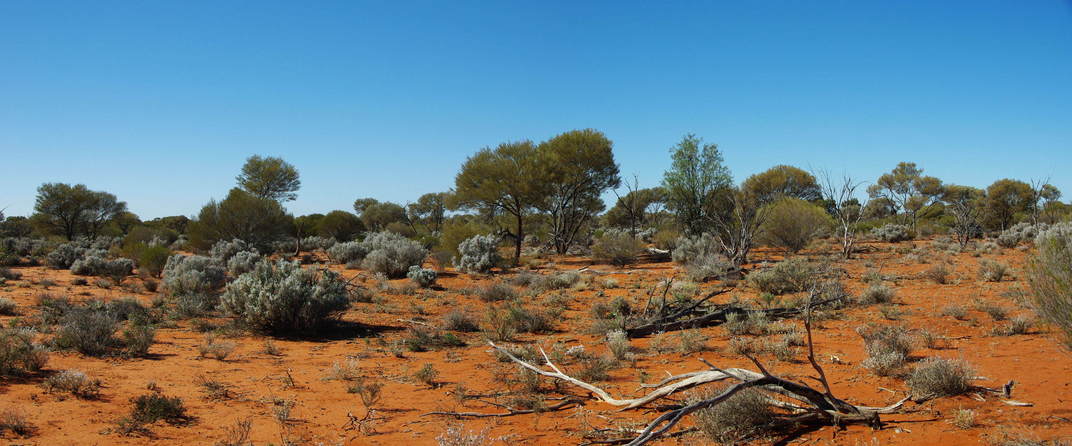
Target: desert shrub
423 277
707 267
458 320
992 270
392 254
526 320
193 275
877 294
74 382
91 265
456 435
497 291
938 273
15 422
153 259
242 262
743 415
153 406
1022 232
478 254
316 242
892 233
788 276
938 377
18 352
65 255
89 331
8 307
557 281
618 344
616 247
1050 275
223 250
138 338
284 297
211 347
347 252
688 249
792 223
427 375
887 348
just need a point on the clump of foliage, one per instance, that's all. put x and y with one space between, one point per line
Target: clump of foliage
392 254
194 281
478 254
18 352
74 382
65 255
877 294
887 348
701 257
242 262
423 277
223 250
788 276
1022 232
284 297
992 270
1050 276
938 377
746 414
91 265
892 233
792 223
616 247
347 252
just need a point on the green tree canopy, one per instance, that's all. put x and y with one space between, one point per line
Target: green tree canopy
258 221
907 189
1006 200
341 225
579 166
696 184
377 215
72 211
782 181
429 211
269 177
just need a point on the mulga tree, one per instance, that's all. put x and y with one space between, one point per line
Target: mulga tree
965 205
908 190
509 178
340 225
72 211
696 184
579 166
429 212
1042 195
270 178
634 209
782 181
258 221
1006 199
377 215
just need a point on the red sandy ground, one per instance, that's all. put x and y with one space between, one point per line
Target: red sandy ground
1042 370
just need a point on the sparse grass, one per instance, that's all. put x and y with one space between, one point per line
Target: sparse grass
214 390
74 382
16 423
18 352
618 344
497 292
877 294
456 435
1018 325
955 311
996 312
427 375
692 341
939 377
458 320
211 347
8 307
963 418
992 270
594 368
745 414
370 392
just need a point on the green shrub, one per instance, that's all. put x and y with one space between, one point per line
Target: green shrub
284 297
18 352
616 247
153 259
1050 275
991 270
792 223
938 377
89 331
392 254
788 276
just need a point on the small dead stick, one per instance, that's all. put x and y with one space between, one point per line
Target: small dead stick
509 411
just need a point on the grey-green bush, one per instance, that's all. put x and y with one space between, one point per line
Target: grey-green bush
616 247
18 352
242 262
478 254
91 265
188 275
347 252
1049 272
283 297
892 233
788 276
423 277
65 255
223 250
392 254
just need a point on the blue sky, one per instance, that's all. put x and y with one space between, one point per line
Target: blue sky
161 102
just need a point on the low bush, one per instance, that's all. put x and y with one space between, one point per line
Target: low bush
616 247
8 307
347 252
497 291
284 297
392 254
65 255
939 377
153 259
877 294
939 273
223 250
92 265
887 348
892 233
74 382
193 275
153 407
478 254
457 320
242 262
792 223
788 276
423 277
1050 275
18 352
992 270
746 414
89 331
1022 232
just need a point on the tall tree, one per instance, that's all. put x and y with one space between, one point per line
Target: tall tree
1005 199
429 211
74 210
579 166
377 215
632 209
258 221
782 181
510 178
340 225
908 190
694 183
269 177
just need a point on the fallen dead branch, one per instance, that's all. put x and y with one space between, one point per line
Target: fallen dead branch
566 404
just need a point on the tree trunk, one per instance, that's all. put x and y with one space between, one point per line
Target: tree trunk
519 239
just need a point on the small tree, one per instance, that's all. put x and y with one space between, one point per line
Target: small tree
509 178
695 182
579 167
430 210
259 222
340 225
965 205
377 215
782 181
845 208
74 210
907 189
1005 200
792 223
270 178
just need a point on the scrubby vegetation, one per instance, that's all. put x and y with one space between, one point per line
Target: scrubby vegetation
478 254
283 297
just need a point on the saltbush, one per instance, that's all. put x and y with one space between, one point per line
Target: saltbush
284 297
423 277
478 254
188 275
892 233
347 252
65 255
18 352
1050 274
392 254
1022 232
788 276
616 247
91 265
223 250
242 262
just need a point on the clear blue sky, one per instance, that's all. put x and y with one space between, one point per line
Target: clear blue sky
160 102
